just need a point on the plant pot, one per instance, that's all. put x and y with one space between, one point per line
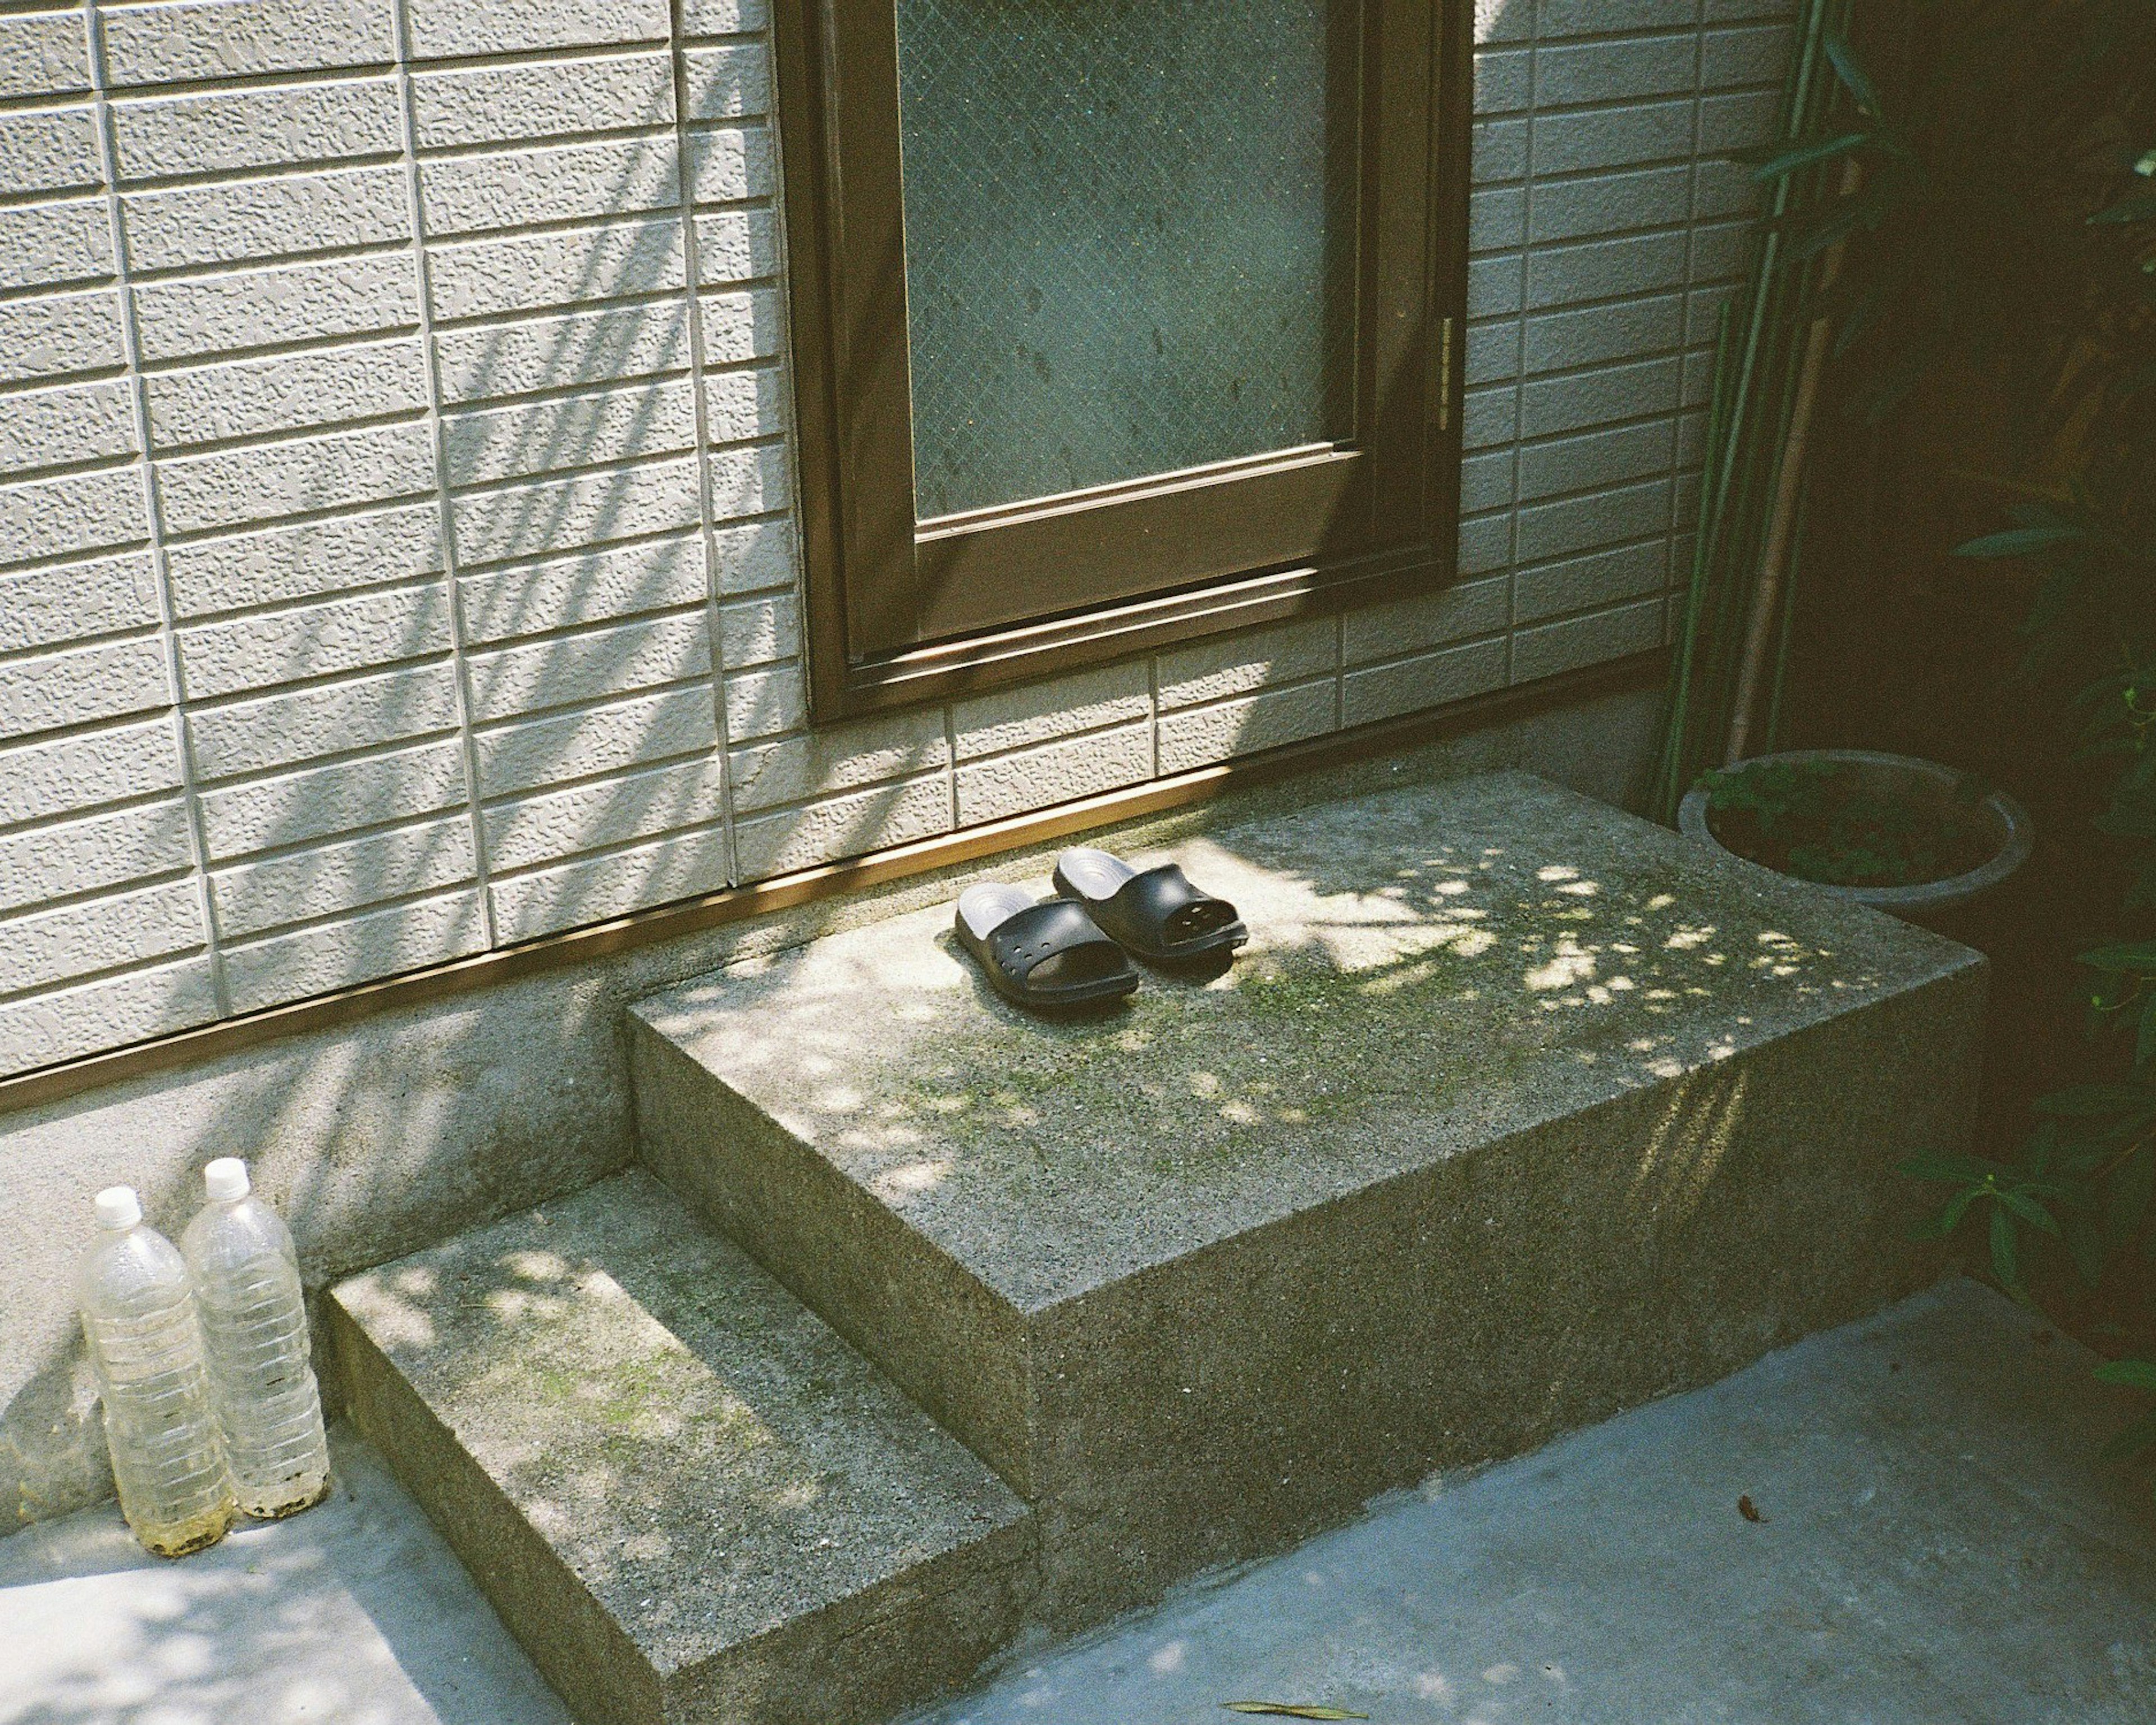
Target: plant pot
1931 792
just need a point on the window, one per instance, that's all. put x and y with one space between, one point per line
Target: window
1116 323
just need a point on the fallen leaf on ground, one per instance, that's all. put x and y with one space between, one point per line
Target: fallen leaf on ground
1749 1510
1289 1710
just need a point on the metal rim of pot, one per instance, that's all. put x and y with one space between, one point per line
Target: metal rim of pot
2008 816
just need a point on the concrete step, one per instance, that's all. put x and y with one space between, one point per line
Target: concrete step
686 1497
1517 1112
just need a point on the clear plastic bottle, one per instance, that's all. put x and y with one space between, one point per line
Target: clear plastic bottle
138 1316
255 1333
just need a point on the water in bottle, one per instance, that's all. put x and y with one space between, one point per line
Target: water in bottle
138 1316
255 1333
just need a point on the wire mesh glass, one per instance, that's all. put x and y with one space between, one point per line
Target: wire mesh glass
1129 237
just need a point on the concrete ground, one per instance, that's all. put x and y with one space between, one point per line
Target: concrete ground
1936 1547
353 1613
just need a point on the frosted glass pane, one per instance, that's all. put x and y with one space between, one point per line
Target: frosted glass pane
1129 238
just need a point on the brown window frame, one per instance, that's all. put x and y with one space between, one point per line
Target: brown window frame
900 613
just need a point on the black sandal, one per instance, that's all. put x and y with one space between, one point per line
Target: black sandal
1045 957
1158 914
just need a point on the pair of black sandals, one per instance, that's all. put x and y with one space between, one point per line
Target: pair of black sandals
1074 950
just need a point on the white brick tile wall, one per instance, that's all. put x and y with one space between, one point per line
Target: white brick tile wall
52 245
526 272
237 221
44 55
511 188
454 598
1237 664
264 482
568 670
324 880
190 41
535 752
313 642
1053 773
114 933
1038 713
43 1029
318 803
1202 736
286 392
571 431
1473 608
443 30
1427 679
55 691
44 864
496 360
65 775
306 724
478 104
621 581
843 826
73 602
282 564
736 246
527 521
261 127
341 954
195 316
723 17
759 631
681 865
526 832
838 758
49 150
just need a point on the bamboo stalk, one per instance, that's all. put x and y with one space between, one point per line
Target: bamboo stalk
1777 690
1773 561
1755 376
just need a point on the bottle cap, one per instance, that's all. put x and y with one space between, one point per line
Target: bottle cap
118 1208
226 1179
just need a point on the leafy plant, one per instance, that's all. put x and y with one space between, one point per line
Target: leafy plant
1999 215
1819 820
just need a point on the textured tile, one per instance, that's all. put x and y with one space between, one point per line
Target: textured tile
1040 712
79 940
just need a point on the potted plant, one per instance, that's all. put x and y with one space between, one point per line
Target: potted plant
1899 834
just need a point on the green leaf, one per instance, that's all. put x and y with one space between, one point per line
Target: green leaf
1804 156
2125 959
2144 1044
1850 70
2019 541
1289 1710
2028 1209
2006 1253
2140 206
2132 1373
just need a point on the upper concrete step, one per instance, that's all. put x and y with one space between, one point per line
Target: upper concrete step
1517 1112
687 1497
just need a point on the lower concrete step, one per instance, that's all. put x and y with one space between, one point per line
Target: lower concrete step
1517 1112
687 1497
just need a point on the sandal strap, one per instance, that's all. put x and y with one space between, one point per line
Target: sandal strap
1046 930
1145 908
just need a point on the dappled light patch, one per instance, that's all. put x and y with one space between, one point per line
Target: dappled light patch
1410 981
